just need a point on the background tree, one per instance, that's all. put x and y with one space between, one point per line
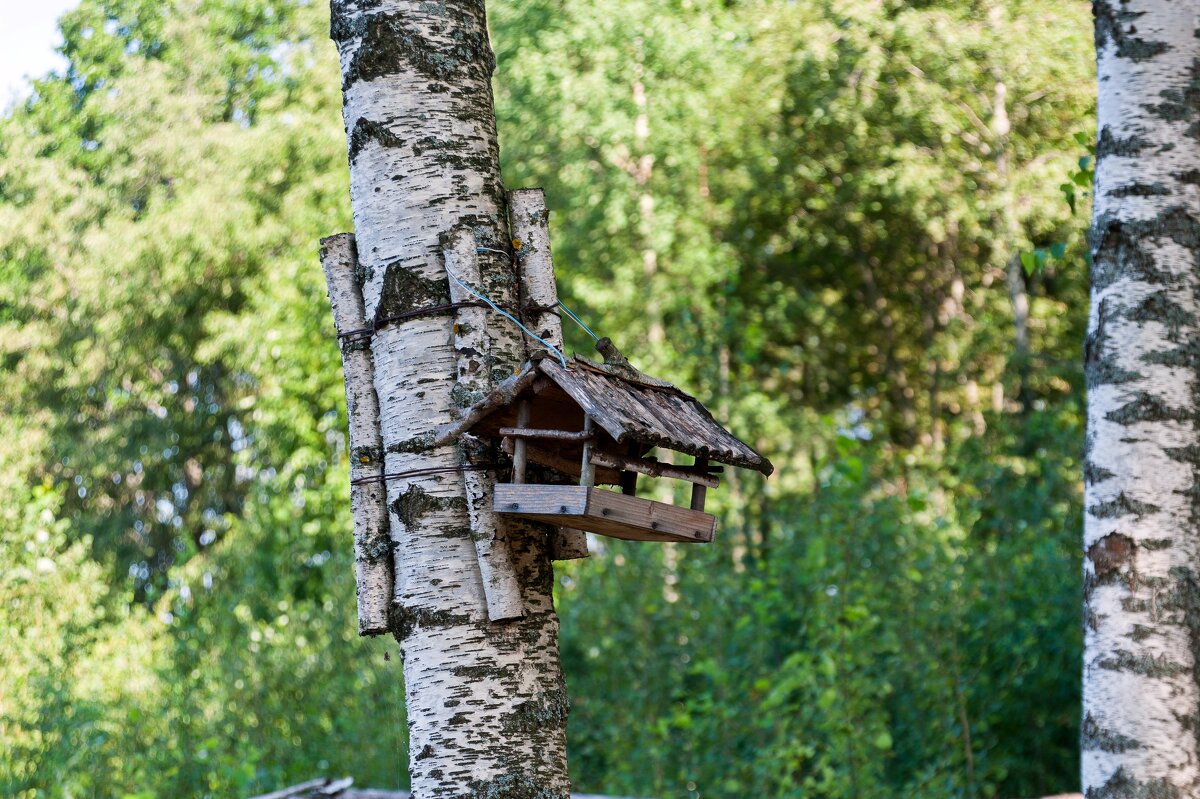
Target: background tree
1140 694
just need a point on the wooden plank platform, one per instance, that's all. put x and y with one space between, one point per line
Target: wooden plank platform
605 513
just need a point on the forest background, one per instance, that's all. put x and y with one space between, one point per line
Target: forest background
854 229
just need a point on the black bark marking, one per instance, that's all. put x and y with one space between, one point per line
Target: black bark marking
1111 555
1093 474
1187 355
1110 27
1122 786
1159 307
1122 506
1146 408
404 290
1191 177
367 131
1108 144
514 785
550 709
1183 105
1140 190
1100 366
406 621
388 45
1096 737
416 502
1156 668
419 443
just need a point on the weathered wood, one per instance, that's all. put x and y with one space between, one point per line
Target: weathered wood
654 468
490 532
605 512
587 471
528 219
505 393
368 496
524 412
699 489
558 463
557 435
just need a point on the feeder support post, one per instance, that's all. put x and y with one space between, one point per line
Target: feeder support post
587 473
524 416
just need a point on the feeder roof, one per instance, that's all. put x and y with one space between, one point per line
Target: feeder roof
633 407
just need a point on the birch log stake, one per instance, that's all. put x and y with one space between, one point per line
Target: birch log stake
487 705
489 530
1141 701
372 546
529 220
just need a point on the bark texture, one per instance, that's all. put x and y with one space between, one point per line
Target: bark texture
486 702
372 545
1141 715
489 530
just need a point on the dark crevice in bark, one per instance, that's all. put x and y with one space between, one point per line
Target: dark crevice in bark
404 290
1100 364
367 131
416 502
1122 786
1159 307
1140 190
1122 506
389 45
405 621
1146 408
1093 474
1156 668
515 785
1110 27
1107 144
1183 104
1096 737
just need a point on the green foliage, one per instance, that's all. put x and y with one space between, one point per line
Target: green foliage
801 212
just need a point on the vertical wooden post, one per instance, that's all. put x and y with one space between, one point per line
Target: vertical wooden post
524 413
501 589
587 472
529 223
698 491
372 545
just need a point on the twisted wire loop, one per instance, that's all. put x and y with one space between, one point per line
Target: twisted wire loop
381 478
367 332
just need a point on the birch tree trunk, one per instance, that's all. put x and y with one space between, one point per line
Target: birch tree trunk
1141 701
486 702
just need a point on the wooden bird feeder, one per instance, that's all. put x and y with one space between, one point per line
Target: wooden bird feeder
594 424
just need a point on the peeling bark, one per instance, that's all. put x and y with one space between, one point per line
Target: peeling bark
1141 726
421 134
372 546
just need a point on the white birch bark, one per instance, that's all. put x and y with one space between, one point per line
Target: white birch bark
1141 713
529 220
486 702
490 531
372 546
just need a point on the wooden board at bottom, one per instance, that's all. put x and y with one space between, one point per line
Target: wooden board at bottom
605 513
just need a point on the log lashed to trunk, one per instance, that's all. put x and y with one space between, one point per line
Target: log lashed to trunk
372 547
486 702
489 531
1141 699
529 220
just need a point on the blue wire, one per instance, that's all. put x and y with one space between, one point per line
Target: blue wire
561 358
578 321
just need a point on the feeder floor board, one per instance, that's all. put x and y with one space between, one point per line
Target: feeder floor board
605 512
